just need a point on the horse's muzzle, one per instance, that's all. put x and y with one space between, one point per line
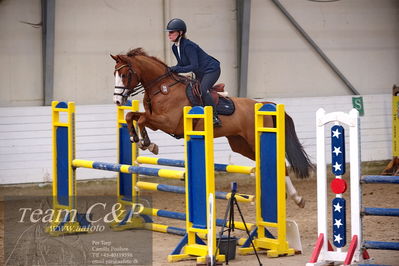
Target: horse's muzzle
120 96
119 100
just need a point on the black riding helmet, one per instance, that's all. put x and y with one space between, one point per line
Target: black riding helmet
176 24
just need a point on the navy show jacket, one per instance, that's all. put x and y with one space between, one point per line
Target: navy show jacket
193 59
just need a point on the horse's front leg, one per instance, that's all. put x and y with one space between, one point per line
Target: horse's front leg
146 142
130 117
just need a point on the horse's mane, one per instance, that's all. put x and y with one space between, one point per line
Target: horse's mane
140 51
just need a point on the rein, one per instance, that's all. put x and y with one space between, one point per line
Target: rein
140 88
127 92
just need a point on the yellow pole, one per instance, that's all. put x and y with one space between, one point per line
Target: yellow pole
395 125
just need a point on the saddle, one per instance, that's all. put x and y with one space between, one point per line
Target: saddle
224 105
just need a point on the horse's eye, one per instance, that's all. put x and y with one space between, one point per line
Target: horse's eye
123 76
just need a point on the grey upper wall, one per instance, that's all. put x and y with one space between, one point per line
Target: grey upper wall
361 37
20 53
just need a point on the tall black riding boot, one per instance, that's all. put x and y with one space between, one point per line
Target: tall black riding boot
207 99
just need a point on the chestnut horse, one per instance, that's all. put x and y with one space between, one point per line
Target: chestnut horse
165 97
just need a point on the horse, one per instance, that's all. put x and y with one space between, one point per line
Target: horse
164 99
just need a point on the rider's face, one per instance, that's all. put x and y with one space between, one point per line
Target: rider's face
173 35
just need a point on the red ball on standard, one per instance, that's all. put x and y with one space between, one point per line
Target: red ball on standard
338 186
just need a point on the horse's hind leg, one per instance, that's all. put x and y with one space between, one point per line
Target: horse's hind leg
240 145
299 200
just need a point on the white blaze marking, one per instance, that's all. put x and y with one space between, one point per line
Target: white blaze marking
118 83
118 80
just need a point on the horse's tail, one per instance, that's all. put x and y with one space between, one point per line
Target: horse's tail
296 155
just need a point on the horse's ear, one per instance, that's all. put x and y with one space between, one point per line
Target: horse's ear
115 57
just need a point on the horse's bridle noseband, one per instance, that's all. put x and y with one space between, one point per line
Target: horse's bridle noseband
126 91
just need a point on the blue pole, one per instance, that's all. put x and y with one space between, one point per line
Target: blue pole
381 211
370 179
381 245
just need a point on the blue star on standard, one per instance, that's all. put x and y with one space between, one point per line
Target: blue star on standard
338 223
336 133
337 150
337 166
337 238
337 207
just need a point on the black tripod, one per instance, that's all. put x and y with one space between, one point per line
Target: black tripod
230 211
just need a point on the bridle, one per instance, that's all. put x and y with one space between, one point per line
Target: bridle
126 91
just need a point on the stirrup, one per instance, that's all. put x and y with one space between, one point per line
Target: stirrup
217 122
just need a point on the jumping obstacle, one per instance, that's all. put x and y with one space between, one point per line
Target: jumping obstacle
323 252
273 200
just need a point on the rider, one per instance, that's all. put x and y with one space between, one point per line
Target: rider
191 58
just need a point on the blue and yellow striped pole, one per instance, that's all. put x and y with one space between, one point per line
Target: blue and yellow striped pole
181 190
270 182
229 168
182 216
168 229
129 169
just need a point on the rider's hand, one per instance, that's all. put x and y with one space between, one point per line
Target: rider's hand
173 69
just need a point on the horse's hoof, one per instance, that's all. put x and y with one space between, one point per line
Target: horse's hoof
300 201
133 140
141 146
153 148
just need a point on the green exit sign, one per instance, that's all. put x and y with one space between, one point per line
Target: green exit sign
357 103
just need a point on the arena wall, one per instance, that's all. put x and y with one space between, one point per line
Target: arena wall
21 81
360 37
